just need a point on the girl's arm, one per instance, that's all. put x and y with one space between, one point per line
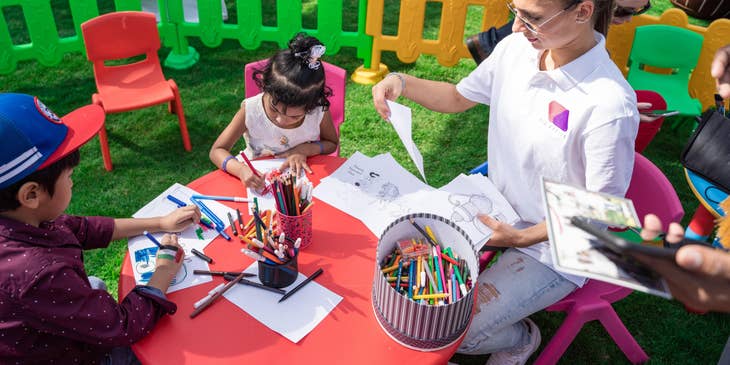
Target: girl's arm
220 151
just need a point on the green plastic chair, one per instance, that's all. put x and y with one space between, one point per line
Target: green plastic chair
666 47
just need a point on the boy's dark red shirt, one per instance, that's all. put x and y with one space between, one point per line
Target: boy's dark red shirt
48 311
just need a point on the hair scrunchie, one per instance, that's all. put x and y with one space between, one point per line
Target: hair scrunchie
312 56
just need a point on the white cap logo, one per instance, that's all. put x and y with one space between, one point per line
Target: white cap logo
48 113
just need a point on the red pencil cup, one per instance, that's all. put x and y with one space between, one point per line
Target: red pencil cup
297 226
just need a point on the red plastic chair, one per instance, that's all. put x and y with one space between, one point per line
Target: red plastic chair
647 130
651 192
335 78
123 35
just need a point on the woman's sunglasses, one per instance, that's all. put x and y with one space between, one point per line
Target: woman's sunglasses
621 12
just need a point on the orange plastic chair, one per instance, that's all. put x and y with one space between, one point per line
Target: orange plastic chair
123 35
334 77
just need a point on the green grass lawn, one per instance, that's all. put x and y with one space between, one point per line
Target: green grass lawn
148 157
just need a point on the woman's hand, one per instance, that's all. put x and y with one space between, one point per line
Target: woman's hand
180 218
295 161
503 234
390 88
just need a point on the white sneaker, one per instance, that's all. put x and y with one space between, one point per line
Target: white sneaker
520 355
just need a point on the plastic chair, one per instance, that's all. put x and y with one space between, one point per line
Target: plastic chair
651 192
666 47
335 78
647 130
136 85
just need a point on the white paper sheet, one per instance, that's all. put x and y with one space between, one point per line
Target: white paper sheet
460 201
365 188
142 251
401 120
293 318
572 249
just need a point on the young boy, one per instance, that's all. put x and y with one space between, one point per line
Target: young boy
49 312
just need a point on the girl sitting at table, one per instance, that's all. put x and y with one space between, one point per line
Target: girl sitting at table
289 119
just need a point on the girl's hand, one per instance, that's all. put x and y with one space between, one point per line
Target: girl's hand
180 218
250 179
296 162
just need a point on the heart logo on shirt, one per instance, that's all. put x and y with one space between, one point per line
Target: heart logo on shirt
558 115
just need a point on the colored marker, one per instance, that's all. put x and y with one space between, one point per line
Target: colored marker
152 238
202 256
301 285
254 284
233 224
236 199
177 201
220 273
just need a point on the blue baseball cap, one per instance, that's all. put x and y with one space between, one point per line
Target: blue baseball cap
34 137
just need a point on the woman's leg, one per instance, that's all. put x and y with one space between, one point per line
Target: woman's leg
513 288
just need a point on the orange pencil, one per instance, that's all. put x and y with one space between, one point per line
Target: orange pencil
296 199
271 257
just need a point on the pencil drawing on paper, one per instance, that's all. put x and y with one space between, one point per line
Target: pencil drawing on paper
467 206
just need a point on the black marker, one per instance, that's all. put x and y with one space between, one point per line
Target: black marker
201 255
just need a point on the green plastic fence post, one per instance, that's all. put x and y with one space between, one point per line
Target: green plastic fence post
182 55
8 61
289 20
250 23
211 21
43 31
365 42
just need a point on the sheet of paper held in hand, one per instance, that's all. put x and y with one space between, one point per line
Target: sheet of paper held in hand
576 252
378 190
142 251
401 120
293 318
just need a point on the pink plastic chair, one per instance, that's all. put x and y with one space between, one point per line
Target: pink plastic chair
335 78
651 192
647 130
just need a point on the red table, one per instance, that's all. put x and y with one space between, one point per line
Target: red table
225 334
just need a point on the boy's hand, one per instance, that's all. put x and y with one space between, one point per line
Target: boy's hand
296 162
250 179
180 218
167 263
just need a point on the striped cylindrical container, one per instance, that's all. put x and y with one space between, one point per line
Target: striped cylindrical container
423 327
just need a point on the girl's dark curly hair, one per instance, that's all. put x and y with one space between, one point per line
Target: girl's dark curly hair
289 80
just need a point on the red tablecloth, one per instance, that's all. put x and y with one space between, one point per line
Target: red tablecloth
224 334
